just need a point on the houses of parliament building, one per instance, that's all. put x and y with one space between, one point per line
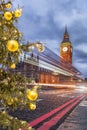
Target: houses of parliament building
49 68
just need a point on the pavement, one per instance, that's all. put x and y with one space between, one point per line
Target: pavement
77 119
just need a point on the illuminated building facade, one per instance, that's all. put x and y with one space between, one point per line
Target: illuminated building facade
47 67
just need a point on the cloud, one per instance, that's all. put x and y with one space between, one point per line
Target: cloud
45 20
82 68
80 57
82 48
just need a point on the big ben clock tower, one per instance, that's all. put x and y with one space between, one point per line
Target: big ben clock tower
66 48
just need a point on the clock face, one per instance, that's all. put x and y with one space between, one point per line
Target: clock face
65 49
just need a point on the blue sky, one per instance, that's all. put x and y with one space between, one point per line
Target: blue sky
45 20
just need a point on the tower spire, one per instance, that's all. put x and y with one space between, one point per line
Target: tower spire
66 32
66 35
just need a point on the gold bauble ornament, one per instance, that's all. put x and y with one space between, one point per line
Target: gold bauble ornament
8 5
31 94
32 106
18 13
12 45
8 15
10 101
13 66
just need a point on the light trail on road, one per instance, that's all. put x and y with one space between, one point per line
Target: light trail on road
48 100
67 106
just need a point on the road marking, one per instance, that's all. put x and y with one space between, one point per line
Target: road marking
83 103
47 115
52 122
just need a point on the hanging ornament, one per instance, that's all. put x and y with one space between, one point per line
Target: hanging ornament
8 15
13 66
10 101
32 106
18 13
40 47
8 5
12 45
32 95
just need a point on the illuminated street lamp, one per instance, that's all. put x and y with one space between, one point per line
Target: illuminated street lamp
31 47
40 47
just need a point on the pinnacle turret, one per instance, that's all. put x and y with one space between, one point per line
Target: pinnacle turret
66 36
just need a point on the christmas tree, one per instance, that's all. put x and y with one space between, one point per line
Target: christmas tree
13 91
